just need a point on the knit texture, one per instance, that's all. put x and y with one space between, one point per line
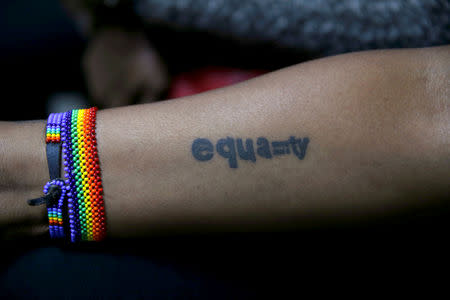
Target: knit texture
319 26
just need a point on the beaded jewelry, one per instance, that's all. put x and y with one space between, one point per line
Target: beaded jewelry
55 185
76 202
55 210
83 179
53 134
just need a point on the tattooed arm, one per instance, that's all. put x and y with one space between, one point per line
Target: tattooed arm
345 137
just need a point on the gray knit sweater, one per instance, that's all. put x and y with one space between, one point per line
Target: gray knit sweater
320 26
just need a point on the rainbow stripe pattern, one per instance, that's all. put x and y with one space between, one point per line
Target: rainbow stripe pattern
83 178
53 130
55 210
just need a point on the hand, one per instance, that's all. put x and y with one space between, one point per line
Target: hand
122 68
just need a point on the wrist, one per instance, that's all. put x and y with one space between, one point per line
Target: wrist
23 173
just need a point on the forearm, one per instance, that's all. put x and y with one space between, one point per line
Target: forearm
377 125
376 144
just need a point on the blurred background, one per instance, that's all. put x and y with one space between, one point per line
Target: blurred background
59 55
40 54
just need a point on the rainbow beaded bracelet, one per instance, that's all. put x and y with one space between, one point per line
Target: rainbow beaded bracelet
55 207
83 178
53 132
75 205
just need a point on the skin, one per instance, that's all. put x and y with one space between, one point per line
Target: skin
120 65
122 68
378 124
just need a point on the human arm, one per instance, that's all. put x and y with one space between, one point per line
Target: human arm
377 124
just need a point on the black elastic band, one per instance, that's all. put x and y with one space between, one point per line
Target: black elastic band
54 192
54 169
54 160
39 201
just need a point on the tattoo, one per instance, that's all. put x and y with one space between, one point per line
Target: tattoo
231 149
202 149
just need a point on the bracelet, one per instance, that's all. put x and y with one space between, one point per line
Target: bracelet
83 178
55 186
53 132
75 205
55 208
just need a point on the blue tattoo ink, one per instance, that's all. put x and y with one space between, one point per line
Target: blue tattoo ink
302 145
263 147
225 147
202 149
280 147
248 154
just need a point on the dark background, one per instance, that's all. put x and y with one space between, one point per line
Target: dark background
41 50
40 53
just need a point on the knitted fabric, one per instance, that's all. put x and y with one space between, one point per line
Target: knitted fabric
319 26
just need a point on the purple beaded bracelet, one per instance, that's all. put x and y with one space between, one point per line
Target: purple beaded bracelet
56 205
55 209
